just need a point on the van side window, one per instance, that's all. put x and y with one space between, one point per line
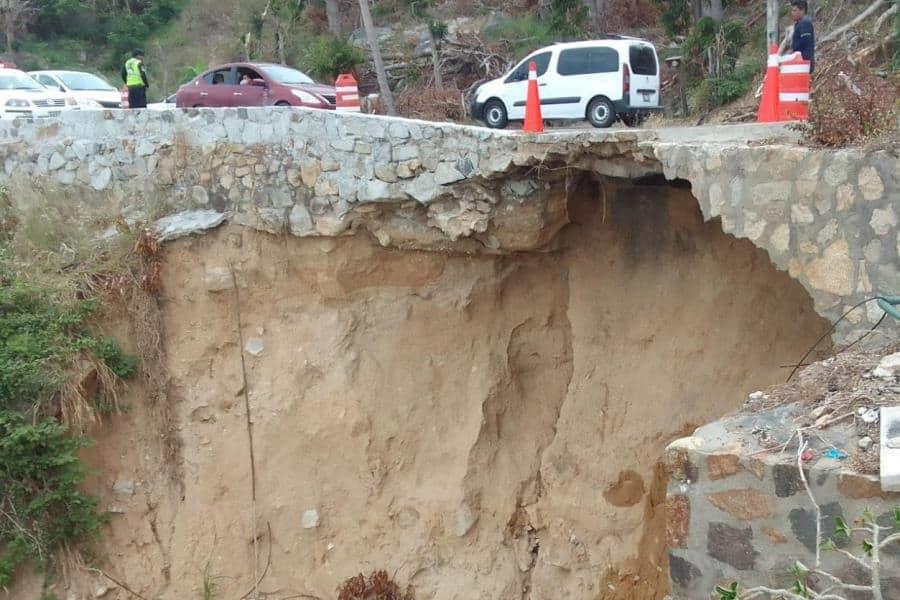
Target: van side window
584 61
642 59
521 73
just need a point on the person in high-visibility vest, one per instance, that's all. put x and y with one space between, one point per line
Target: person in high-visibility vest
135 78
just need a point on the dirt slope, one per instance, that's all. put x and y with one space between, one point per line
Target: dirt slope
481 427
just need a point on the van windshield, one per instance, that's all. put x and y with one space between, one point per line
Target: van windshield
520 73
642 59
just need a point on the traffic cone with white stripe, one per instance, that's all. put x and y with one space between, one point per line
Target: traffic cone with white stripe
346 93
534 121
793 88
768 106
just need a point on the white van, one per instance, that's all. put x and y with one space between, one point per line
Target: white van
598 80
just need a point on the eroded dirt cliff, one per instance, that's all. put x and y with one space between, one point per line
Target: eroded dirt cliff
479 426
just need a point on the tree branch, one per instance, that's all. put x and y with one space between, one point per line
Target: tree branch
859 19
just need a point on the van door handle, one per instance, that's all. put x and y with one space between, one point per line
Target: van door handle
542 85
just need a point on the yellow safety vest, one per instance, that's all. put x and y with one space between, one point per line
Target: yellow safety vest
133 77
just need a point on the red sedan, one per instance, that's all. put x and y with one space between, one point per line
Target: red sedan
254 84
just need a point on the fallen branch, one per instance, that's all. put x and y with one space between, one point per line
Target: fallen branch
117 582
884 17
873 8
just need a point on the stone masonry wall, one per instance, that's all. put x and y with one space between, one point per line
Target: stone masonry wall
737 514
829 217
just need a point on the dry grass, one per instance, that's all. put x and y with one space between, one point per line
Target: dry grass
377 586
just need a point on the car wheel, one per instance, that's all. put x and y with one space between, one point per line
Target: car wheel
601 113
495 115
282 103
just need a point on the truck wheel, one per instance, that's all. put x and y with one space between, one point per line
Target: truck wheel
495 115
601 113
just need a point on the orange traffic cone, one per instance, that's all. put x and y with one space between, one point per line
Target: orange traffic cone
534 122
768 106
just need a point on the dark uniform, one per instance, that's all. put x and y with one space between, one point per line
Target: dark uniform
804 41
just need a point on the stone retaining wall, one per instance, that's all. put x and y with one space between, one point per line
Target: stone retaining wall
736 513
828 217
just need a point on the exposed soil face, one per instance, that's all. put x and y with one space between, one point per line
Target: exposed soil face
484 427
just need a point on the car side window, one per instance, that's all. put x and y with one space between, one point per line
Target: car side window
586 61
48 81
245 75
542 61
220 77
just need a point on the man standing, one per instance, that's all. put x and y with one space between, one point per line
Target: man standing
135 77
804 40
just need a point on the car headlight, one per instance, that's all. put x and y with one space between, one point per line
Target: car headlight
18 103
306 97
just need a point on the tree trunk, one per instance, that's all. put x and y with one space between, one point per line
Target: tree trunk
333 12
772 27
714 9
383 85
696 10
279 42
436 60
10 34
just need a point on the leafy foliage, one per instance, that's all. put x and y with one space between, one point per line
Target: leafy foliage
567 21
676 16
41 507
328 56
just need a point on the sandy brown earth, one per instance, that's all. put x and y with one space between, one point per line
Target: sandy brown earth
481 427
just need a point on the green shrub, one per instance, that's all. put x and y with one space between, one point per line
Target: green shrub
329 56
41 506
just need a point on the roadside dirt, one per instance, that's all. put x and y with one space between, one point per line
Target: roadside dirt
480 427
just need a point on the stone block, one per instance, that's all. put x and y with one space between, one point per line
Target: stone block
803 525
679 465
883 220
732 546
743 504
870 184
834 271
682 572
678 520
720 466
775 536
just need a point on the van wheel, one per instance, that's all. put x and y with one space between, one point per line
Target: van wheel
601 113
495 115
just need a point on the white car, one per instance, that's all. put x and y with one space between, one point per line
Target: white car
22 96
599 80
87 89
165 104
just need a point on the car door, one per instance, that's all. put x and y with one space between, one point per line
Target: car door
515 88
585 73
247 94
213 89
644 76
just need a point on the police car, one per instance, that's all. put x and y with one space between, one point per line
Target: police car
22 96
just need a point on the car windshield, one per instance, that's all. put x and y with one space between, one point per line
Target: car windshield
18 81
286 75
85 82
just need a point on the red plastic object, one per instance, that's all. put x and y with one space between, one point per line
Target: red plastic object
347 93
534 121
768 106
